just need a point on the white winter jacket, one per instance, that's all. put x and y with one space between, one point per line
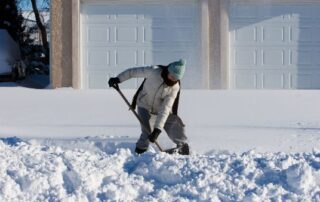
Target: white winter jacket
156 96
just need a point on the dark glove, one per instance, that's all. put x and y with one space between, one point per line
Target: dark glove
154 135
113 81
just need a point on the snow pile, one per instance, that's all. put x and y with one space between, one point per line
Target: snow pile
38 172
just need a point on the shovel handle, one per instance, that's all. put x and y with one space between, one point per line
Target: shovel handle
116 86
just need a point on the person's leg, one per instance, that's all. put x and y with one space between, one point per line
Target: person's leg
175 129
143 142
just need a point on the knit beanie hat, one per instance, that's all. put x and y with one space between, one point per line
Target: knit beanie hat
177 69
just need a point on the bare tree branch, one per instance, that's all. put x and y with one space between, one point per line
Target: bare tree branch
42 29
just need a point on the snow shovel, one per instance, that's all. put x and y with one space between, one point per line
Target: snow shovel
116 86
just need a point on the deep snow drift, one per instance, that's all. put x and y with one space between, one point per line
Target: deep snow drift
33 172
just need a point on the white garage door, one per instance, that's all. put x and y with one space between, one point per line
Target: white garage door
117 36
274 46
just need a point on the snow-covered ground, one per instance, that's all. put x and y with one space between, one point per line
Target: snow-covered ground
77 145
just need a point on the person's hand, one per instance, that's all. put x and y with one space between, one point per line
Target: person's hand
113 81
154 135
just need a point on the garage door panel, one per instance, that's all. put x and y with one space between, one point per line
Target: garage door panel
126 34
97 34
181 34
101 58
273 34
173 21
244 79
163 11
120 35
127 13
96 18
256 34
273 80
96 80
112 14
126 57
98 58
259 79
245 34
245 58
123 9
166 56
156 34
169 35
279 47
273 57
94 10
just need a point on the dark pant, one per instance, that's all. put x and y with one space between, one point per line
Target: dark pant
173 126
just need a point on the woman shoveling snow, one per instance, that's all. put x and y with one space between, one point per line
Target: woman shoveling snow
158 98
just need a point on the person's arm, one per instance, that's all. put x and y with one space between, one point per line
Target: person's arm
137 72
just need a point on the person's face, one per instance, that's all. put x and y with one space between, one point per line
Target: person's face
171 78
